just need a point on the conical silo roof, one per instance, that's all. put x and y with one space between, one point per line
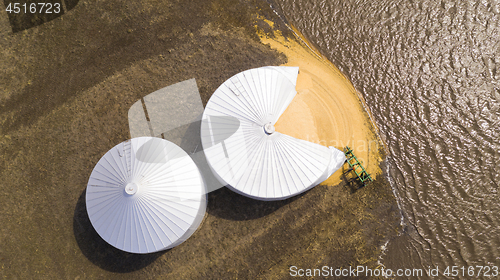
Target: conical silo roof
253 159
145 195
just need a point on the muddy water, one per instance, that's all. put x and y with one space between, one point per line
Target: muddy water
430 73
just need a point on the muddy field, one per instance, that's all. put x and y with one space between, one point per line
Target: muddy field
65 90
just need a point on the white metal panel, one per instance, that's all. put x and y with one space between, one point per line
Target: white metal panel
145 195
290 73
259 164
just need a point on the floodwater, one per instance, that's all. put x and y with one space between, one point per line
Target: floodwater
430 74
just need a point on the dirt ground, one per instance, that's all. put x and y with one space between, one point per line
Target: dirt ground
65 90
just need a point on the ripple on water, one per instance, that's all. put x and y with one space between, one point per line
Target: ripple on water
428 70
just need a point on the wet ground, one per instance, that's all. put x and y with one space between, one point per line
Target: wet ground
64 96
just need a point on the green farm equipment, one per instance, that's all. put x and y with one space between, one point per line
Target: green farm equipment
355 165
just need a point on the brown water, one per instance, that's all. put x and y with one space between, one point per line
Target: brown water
430 73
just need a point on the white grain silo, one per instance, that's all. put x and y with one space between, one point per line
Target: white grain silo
145 195
254 159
